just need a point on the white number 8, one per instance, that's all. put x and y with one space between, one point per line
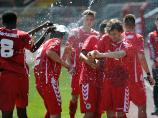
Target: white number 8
6 48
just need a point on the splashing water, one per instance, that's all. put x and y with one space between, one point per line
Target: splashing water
90 3
51 5
61 28
71 26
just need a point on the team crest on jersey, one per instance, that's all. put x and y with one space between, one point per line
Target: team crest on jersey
88 106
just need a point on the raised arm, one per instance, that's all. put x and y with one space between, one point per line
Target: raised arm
44 25
55 57
39 42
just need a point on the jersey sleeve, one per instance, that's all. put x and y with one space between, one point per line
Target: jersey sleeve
28 41
139 45
89 44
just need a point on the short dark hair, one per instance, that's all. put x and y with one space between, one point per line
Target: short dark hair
89 12
9 18
114 24
129 20
102 26
57 34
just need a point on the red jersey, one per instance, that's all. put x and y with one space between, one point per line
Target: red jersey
76 40
89 74
135 69
13 44
45 67
116 70
153 45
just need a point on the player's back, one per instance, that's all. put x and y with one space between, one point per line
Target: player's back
13 45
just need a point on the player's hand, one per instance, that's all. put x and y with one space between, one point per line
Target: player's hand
51 29
72 70
98 63
47 24
93 54
32 42
150 79
68 48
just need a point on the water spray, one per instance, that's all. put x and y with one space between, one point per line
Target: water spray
91 2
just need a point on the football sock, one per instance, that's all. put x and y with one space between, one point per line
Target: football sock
72 109
21 112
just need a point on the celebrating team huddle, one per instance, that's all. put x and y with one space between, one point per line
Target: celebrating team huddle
106 68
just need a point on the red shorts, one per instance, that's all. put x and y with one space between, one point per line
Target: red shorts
13 91
89 97
114 98
138 93
75 83
51 96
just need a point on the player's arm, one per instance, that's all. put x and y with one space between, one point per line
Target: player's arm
39 42
68 49
89 61
44 25
115 54
142 59
55 57
143 62
67 53
144 65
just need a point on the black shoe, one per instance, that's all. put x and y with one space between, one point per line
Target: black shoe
155 112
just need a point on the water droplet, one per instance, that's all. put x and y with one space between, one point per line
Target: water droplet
51 5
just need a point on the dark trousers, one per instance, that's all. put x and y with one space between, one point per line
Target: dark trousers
155 91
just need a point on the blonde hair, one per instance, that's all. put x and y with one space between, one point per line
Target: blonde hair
89 12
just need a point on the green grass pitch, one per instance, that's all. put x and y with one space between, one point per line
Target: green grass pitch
36 107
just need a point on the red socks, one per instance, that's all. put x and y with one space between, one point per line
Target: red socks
97 115
124 116
47 115
72 109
